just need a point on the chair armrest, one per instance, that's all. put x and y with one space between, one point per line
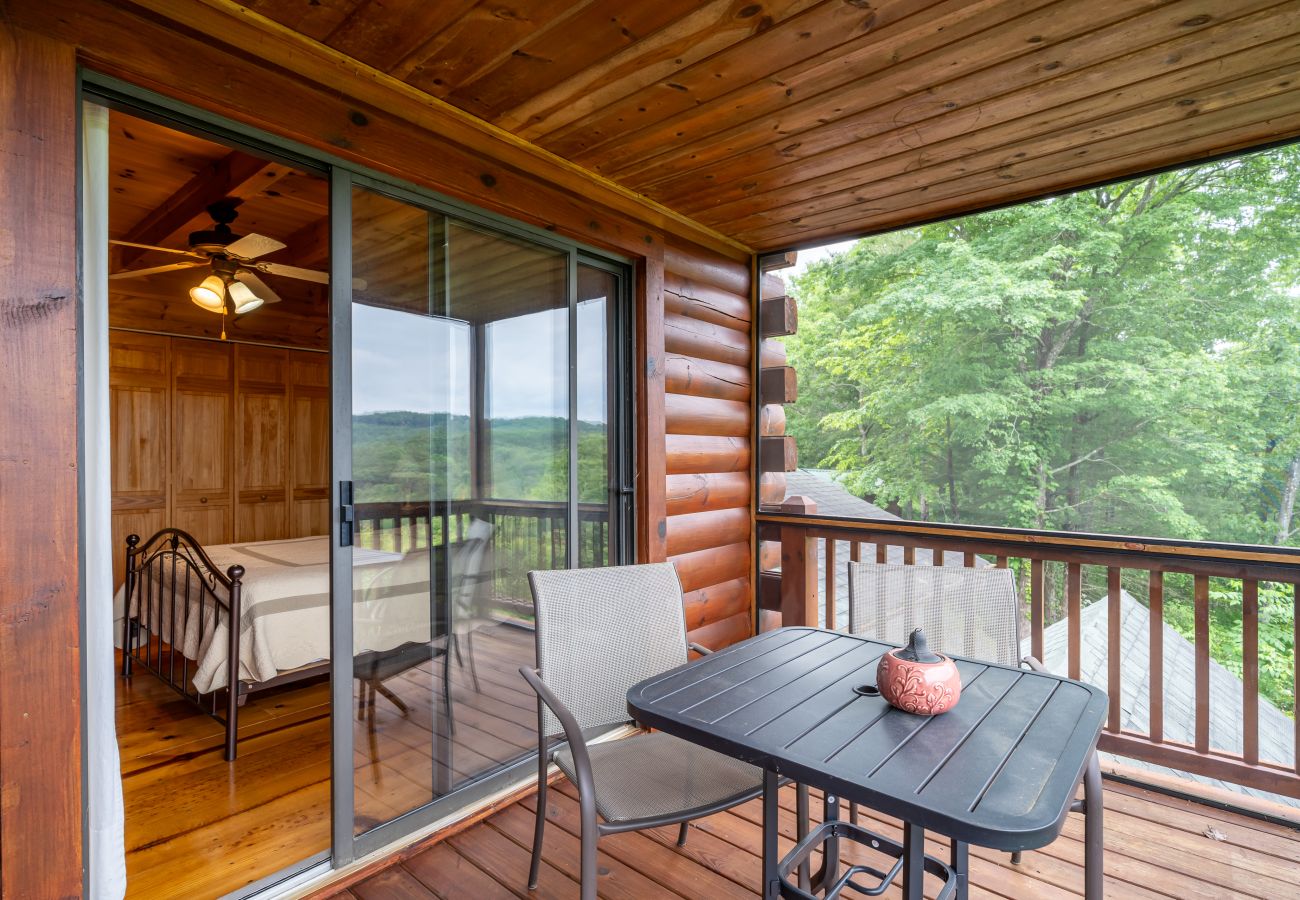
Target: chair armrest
699 648
1032 663
572 731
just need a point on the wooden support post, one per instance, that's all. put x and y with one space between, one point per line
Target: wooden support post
40 653
798 566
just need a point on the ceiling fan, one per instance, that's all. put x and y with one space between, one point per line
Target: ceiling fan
234 286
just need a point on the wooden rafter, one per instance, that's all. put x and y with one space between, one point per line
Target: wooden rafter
237 174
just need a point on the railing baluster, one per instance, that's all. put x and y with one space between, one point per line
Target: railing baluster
1074 612
1002 562
909 555
1295 675
882 551
1156 665
936 557
1113 686
1250 670
1201 597
830 583
1037 608
968 559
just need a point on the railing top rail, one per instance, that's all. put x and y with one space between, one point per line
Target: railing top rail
1278 563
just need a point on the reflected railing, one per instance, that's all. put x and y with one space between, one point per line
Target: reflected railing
1128 645
526 535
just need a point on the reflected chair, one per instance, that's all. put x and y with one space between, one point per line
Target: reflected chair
469 610
599 632
973 612
397 610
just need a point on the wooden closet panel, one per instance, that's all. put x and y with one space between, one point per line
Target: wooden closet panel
202 440
262 444
309 399
139 386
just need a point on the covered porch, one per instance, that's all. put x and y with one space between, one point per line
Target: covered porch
700 146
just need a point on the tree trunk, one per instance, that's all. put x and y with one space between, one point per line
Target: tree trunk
1286 511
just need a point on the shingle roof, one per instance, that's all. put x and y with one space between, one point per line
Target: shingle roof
833 500
1276 729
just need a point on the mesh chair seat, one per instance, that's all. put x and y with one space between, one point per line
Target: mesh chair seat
656 774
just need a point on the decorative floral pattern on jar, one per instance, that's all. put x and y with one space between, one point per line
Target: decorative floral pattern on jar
917 680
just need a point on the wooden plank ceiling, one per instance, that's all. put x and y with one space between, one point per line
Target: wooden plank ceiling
162 182
792 122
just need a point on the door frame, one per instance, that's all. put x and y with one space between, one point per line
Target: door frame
114 93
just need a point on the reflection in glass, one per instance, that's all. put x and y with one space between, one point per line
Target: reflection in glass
460 381
597 290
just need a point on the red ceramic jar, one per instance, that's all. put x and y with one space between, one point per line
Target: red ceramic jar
917 680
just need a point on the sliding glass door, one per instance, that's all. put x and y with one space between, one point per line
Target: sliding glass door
477 438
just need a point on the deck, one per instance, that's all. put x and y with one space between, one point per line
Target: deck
197 826
1156 847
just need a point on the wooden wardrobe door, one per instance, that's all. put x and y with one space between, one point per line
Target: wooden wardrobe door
139 380
309 401
262 448
203 437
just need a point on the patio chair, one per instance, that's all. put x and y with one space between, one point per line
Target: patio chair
972 612
599 632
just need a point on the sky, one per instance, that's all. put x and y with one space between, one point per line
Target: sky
418 363
808 257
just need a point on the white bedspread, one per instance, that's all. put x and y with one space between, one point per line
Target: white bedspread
284 621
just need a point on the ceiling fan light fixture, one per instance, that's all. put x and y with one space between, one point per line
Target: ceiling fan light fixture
243 298
210 294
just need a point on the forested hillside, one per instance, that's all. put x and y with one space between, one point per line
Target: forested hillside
1122 360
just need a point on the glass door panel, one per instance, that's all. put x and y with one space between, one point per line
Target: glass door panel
406 400
461 484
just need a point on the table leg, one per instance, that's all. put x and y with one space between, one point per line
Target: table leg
801 832
831 850
960 867
913 862
771 826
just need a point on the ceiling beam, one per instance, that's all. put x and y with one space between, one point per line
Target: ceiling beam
236 174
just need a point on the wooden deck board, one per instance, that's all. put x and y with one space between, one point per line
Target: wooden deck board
199 827
1157 846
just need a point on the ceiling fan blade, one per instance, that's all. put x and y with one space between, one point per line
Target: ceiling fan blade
257 286
154 270
159 249
251 246
319 277
295 272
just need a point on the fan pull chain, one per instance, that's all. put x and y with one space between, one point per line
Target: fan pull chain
223 324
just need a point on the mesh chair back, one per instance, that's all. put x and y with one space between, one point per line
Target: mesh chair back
967 612
600 631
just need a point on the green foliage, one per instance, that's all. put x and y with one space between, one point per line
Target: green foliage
1123 360
415 456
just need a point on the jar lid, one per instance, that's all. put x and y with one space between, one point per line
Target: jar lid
917 650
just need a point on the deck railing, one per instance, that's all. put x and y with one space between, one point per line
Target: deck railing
527 534
804 590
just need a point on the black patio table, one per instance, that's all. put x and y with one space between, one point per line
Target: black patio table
999 770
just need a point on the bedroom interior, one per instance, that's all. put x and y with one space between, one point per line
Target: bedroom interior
220 430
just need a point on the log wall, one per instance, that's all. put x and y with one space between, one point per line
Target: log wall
708 427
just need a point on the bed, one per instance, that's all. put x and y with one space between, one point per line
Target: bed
178 598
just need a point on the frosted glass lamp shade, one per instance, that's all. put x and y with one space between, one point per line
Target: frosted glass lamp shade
210 294
243 298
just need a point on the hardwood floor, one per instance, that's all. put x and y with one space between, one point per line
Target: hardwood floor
199 827
1156 847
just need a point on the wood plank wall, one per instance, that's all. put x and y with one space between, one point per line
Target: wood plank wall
40 657
708 426
704 523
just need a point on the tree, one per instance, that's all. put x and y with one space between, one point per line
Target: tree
1121 359
1124 359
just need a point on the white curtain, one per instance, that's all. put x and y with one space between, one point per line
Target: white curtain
105 852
